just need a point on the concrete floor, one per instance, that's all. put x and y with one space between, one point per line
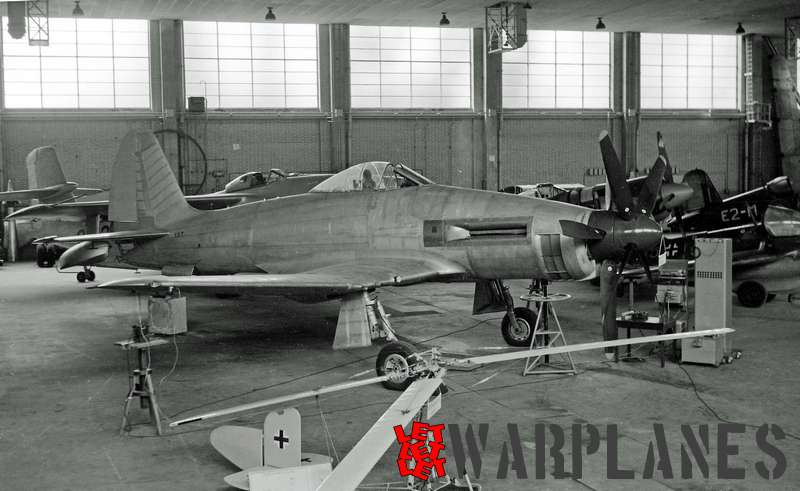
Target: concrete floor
62 385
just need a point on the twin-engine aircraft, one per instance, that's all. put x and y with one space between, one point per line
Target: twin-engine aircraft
372 225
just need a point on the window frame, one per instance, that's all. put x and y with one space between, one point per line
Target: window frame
566 110
77 57
448 111
740 102
256 109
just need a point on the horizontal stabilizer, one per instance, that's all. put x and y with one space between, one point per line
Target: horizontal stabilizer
581 231
109 236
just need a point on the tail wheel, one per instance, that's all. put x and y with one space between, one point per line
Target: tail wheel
81 277
752 294
395 359
522 333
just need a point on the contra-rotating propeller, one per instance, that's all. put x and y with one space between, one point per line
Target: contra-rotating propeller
626 231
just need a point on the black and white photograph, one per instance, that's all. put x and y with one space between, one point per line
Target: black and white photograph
420 245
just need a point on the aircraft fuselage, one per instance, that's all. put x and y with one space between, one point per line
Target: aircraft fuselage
490 235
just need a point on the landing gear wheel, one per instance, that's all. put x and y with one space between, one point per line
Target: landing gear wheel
41 256
81 276
52 256
394 359
752 294
90 276
521 334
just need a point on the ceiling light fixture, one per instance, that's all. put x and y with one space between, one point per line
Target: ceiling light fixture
270 15
445 21
740 29
600 24
77 11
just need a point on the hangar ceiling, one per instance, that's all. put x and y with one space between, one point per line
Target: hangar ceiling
684 16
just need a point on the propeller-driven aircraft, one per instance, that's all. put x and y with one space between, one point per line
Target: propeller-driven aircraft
271 459
371 225
764 224
671 196
46 180
43 166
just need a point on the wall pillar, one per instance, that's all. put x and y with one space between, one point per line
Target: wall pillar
335 101
630 100
493 117
167 89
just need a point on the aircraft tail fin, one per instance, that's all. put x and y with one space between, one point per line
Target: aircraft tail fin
144 188
44 168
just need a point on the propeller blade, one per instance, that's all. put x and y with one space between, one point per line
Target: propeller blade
615 172
651 187
581 231
662 151
646 266
609 279
626 259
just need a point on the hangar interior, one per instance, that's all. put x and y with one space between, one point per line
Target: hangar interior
315 87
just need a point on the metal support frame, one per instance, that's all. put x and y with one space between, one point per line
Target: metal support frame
791 34
506 27
546 334
38 19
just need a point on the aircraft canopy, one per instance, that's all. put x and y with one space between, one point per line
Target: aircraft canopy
371 176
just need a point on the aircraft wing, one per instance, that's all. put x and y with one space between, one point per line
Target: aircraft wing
107 237
363 457
43 211
87 191
25 194
326 282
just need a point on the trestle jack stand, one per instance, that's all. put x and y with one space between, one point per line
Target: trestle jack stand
140 379
545 333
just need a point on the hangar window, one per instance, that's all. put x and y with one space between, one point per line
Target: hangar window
89 64
410 67
689 71
241 65
559 70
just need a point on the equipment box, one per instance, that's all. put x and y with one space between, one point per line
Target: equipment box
167 315
708 350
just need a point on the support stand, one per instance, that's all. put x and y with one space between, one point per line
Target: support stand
140 380
549 335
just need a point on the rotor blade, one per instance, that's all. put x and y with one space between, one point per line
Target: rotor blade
662 151
578 230
615 172
557 350
368 451
282 399
651 187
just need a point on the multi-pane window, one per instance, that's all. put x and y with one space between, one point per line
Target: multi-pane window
689 71
559 70
240 65
89 64
410 67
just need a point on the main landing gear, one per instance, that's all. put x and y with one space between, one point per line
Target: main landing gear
85 275
46 256
518 323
